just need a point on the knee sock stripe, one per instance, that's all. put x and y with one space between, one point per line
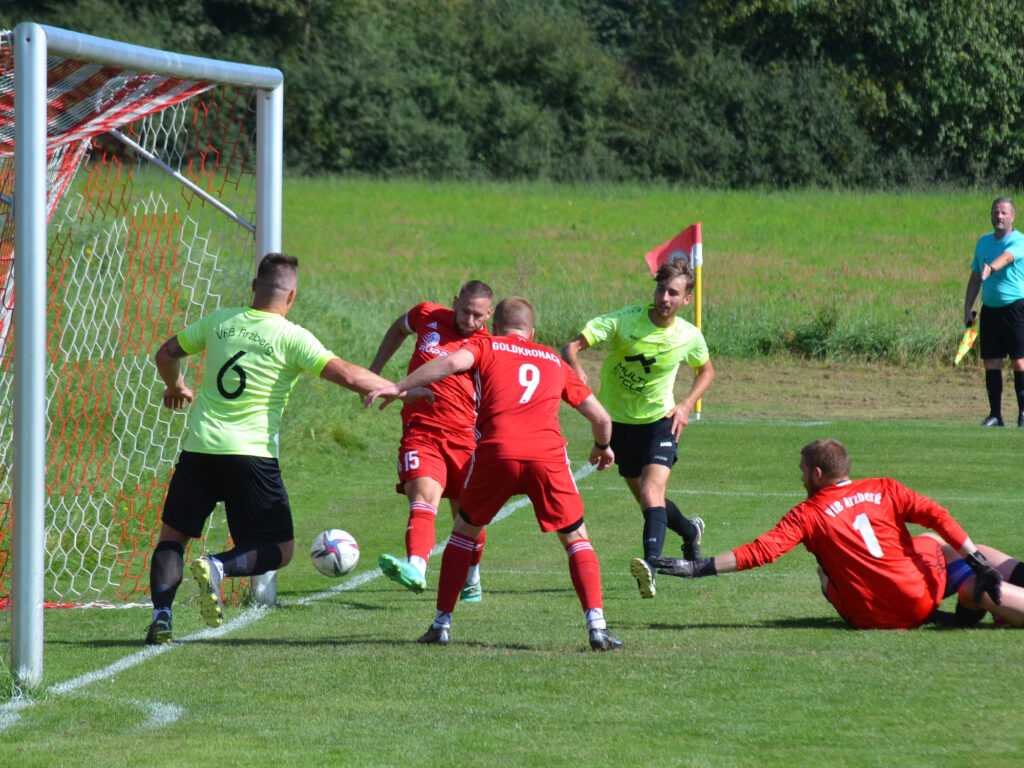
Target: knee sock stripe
461 542
422 506
578 546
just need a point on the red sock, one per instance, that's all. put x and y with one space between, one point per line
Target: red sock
454 567
478 550
419 534
586 573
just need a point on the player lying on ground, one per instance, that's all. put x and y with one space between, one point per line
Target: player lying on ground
875 574
520 449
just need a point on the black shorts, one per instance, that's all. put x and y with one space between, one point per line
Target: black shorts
637 445
1002 331
250 487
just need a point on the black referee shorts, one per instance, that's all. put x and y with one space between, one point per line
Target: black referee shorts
637 445
250 487
1002 331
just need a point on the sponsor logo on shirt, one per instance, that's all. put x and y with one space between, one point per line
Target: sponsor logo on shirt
631 381
503 346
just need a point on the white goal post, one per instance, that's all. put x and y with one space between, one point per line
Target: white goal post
141 187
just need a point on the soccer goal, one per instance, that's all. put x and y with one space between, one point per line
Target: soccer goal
138 188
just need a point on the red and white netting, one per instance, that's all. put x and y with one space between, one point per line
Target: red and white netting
133 255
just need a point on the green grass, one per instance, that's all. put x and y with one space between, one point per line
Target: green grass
818 274
746 669
751 669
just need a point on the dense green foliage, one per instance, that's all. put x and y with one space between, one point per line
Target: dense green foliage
744 93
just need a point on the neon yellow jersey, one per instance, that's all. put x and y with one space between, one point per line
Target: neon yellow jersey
253 359
638 376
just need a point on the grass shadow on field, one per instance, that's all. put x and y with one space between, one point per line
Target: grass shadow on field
787 623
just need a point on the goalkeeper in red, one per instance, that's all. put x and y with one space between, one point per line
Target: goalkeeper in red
873 572
646 345
437 438
253 357
520 449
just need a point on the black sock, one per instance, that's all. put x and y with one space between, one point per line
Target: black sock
250 558
165 569
654 531
994 387
1018 387
678 522
1017 576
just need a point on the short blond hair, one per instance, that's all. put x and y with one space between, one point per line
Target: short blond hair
513 312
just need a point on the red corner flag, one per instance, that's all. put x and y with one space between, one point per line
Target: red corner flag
686 244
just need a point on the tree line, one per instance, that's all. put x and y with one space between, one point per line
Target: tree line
714 93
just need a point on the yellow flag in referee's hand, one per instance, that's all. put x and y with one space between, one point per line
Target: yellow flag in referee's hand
965 344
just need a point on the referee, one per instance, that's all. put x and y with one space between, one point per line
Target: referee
646 345
998 272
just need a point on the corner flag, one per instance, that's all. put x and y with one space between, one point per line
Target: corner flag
687 244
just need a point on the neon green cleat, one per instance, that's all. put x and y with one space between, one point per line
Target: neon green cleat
644 575
211 605
471 593
402 572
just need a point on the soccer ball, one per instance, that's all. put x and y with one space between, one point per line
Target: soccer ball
334 552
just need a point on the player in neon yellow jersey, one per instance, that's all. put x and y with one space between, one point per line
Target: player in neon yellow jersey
646 345
254 356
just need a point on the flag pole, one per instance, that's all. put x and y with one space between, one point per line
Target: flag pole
697 319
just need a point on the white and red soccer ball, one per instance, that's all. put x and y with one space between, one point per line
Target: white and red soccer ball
334 552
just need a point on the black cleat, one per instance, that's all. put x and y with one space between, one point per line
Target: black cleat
993 421
691 549
603 640
1020 420
436 636
159 632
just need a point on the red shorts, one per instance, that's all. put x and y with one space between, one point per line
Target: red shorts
441 456
549 485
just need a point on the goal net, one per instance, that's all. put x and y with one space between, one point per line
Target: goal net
151 209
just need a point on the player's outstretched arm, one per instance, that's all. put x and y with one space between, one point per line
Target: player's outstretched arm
695 569
392 340
457 362
352 376
571 354
168 364
601 454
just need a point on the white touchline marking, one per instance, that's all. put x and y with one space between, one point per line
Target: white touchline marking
10 711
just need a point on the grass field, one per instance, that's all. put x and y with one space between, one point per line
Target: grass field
750 669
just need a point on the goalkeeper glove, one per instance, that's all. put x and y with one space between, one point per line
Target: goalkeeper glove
986 578
687 569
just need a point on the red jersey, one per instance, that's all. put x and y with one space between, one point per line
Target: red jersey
519 387
858 532
454 408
